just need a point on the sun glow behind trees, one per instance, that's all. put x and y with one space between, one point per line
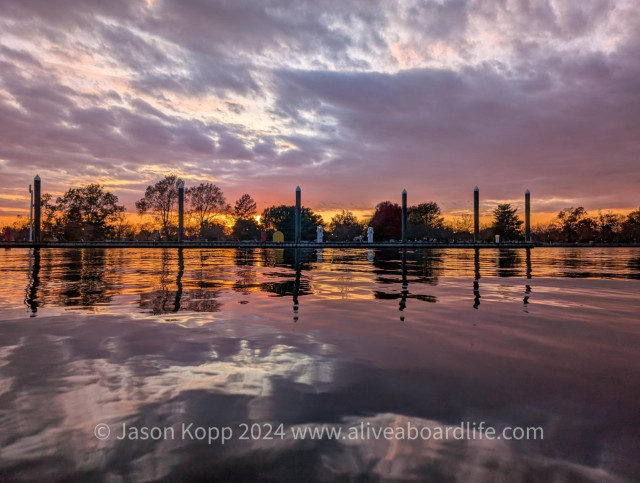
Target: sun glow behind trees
92 213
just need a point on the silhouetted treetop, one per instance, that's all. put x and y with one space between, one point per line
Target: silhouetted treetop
282 218
506 222
160 199
245 206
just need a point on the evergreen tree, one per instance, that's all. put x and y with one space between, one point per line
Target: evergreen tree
506 222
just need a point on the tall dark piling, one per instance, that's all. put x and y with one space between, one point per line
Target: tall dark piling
30 214
476 214
298 214
36 208
527 216
404 216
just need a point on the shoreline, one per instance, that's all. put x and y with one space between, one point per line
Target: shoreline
314 245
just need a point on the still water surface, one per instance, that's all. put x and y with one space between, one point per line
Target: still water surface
544 338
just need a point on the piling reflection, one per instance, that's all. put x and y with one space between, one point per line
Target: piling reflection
346 362
296 285
395 268
158 300
31 293
176 305
527 287
405 285
476 278
424 266
173 294
509 262
287 279
177 280
85 281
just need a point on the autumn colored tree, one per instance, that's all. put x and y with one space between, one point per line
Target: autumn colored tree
387 221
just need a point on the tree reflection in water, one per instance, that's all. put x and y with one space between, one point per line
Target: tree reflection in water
508 262
393 266
175 280
194 297
162 281
349 363
527 287
84 278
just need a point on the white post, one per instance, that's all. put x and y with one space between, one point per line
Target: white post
320 234
31 215
370 234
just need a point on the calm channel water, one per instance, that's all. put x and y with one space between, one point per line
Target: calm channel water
165 338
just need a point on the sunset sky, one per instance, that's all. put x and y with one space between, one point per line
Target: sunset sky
352 100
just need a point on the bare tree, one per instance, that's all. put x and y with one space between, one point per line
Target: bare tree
610 225
206 201
345 226
464 223
160 200
570 219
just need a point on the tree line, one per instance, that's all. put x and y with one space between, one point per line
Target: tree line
576 225
93 213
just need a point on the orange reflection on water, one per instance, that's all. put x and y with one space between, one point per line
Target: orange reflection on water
546 337
162 281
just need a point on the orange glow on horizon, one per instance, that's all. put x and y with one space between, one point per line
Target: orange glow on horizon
137 220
